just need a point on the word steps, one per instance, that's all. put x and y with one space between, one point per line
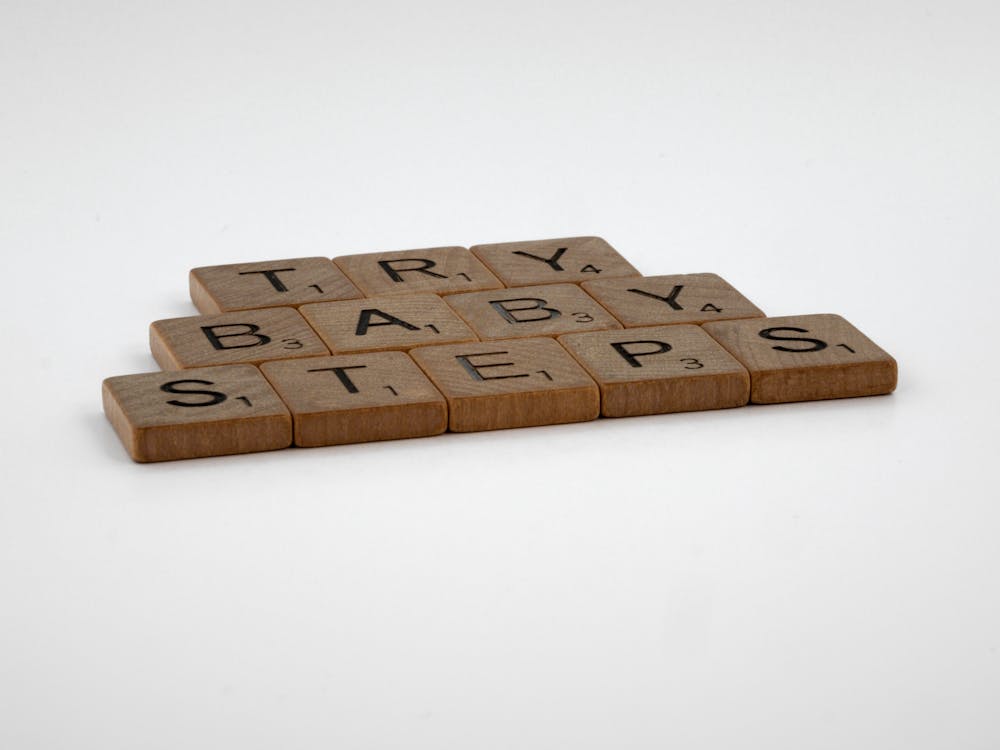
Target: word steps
388 345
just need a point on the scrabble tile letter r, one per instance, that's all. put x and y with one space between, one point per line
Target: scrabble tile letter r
439 270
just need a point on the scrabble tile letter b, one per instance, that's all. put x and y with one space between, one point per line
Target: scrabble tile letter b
501 384
209 411
246 337
529 311
806 358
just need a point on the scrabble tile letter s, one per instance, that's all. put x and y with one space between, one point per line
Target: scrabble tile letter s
806 358
208 411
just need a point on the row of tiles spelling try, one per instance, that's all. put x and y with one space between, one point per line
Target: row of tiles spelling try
413 343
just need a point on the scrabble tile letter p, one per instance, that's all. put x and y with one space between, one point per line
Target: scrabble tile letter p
660 369
806 358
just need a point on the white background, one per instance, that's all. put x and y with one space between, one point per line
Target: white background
804 576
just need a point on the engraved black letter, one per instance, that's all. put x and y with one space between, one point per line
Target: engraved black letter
365 321
553 261
632 357
670 299
214 396
341 374
216 338
768 333
538 304
271 276
424 264
473 370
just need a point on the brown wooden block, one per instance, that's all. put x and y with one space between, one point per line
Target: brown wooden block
387 322
659 370
666 300
276 283
548 310
208 411
558 261
806 358
500 384
439 270
357 398
244 337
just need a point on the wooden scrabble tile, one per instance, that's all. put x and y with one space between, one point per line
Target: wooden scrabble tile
276 283
245 337
528 311
806 358
558 261
357 398
440 270
207 411
387 322
665 300
660 369
500 384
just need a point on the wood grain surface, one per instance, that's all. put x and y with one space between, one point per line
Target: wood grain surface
518 383
276 283
389 322
525 312
555 261
666 300
207 411
356 398
660 369
806 358
244 337
439 270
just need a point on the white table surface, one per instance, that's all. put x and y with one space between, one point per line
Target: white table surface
816 575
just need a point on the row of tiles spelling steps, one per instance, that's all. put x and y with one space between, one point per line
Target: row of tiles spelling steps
626 347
